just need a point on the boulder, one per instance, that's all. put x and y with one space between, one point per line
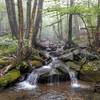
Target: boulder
90 72
73 66
35 63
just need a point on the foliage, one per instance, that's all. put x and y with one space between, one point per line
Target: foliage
76 9
7 45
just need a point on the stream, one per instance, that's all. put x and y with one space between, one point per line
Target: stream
30 89
61 91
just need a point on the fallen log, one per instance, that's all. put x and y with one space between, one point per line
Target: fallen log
9 77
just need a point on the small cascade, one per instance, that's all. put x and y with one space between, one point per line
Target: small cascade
73 78
30 83
54 64
74 81
52 72
32 78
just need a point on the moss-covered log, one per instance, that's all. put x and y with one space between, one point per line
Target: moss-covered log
9 77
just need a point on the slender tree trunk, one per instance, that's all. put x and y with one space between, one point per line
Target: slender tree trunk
12 17
58 24
70 29
70 25
28 17
19 57
37 20
40 30
21 27
88 34
61 28
97 35
32 27
76 22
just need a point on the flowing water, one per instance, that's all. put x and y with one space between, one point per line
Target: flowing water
63 91
74 81
30 89
31 81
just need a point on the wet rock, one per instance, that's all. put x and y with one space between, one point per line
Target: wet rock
66 57
97 87
90 72
47 78
90 76
69 54
9 77
73 66
89 55
35 63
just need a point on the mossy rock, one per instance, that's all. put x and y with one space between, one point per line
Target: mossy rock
9 77
73 65
89 67
96 64
37 58
4 62
35 52
90 72
44 75
36 63
90 77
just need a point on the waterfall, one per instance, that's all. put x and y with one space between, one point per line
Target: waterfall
72 74
74 81
50 81
32 78
30 83
73 78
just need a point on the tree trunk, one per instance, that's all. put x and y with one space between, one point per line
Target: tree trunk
28 17
70 29
69 42
76 22
97 35
70 25
88 34
12 17
37 20
21 31
32 27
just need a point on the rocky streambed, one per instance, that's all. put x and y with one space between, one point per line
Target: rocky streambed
83 62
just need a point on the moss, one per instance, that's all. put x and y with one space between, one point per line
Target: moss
7 45
73 65
36 63
89 67
35 52
37 58
90 72
3 62
9 77
8 49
